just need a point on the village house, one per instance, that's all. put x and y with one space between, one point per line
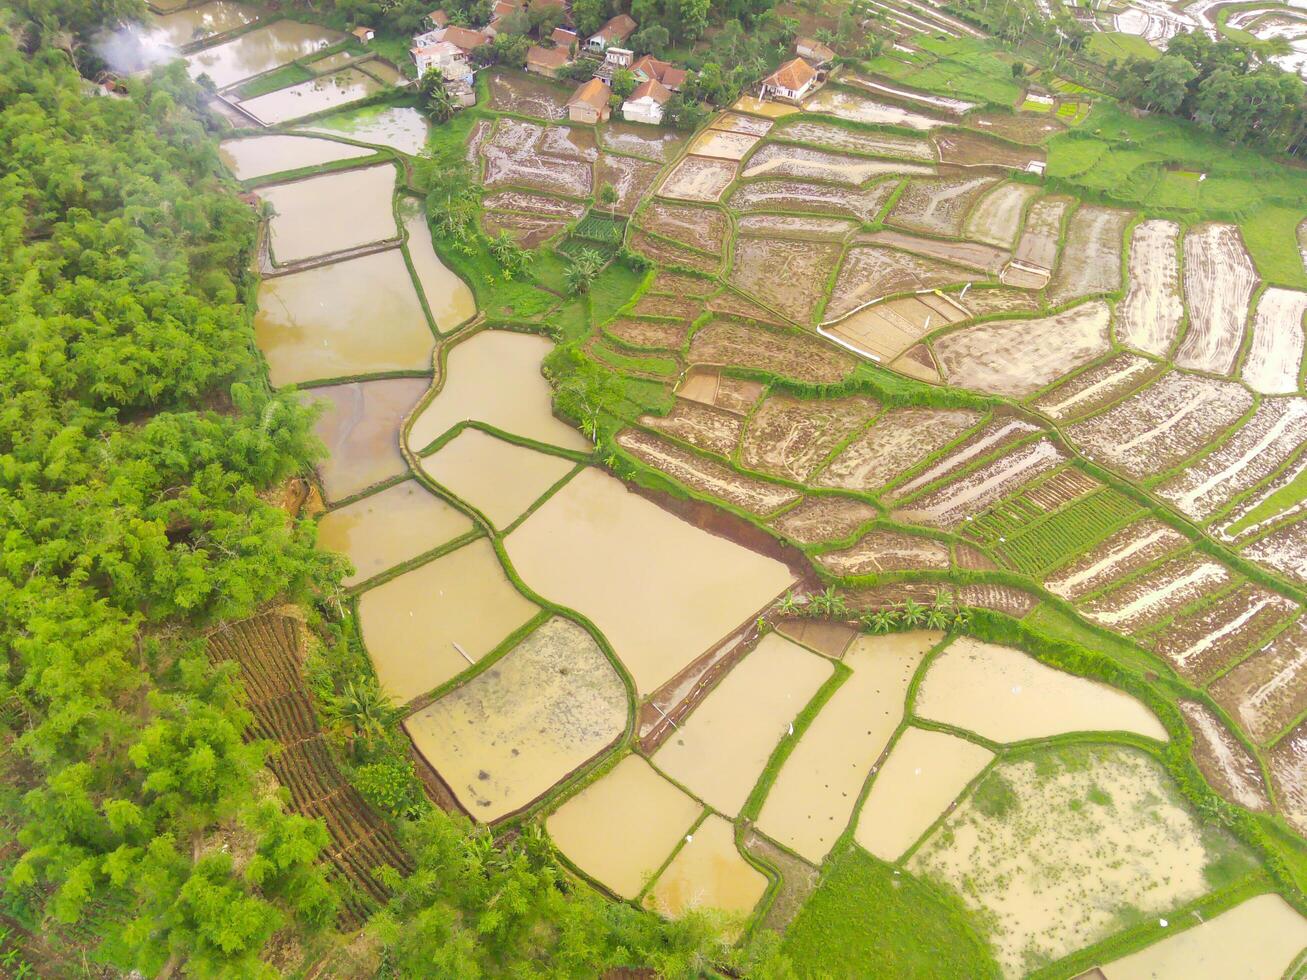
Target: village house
501 10
563 38
546 61
791 81
813 52
444 56
589 103
616 31
649 68
465 38
646 103
435 20
364 34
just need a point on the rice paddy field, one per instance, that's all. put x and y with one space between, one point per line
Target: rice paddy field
894 548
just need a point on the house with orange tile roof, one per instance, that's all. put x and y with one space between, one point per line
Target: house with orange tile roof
546 61
589 103
791 81
617 30
663 72
646 103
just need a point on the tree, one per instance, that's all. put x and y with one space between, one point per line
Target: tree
1167 84
623 84
435 98
588 15
582 271
653 39
608 196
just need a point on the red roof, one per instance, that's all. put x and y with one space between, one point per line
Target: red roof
593 93
792 75
547 57
563 36
465 38
439 18
618 28
653 89
651 67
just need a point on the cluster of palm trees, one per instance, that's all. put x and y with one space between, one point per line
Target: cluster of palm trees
830 604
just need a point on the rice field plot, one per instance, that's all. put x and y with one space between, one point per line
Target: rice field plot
1037 248
1091 259
671 283
1016 514
872 272
1019 357
963 499
1288 765
794 227
629 178
996 218
1275 354
311 97
938 103
721 749
499 478
710 387
1229 767
1267 692
812 131
792 195
1066 533
806 163
1199 643
1219 279
899 440
699 179
604 229
723 144
880 551
534 204
983 299
670 253
788 437
1161 425
704 475
258 156
788 276
1055 850
1277 429
981 258
1097 387
1134 546
641 141
515 157
1157 593
700 228
995 435
655 334
708 428
358 425
938 206
505 737
1284 550
819 519
732 304
974 150
858 108
735 122
527 96
1148 316
573 142
528 230
708 873
331 213
1020 127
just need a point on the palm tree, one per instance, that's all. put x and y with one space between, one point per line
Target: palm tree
914 613
880 621
961 618
364 710
789 604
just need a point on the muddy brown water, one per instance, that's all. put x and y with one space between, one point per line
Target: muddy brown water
722 748
496 477
506 736
593 542
390 527
1007 696
924 773
816 790
448 297
708 873
256 156
360 428
414 625
361 316
315 95
331 213
401 128
260 50
158 37
622 827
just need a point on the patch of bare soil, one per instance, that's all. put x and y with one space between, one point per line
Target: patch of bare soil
1288 763
709 387
794 226
820 519
1199 644
1149 314
670 253
900 440
539 204
629 177
871 272
798 880
1284 550
735 122
788 276
805 130
731 303
704 475
1225 763
522 154
970 557
1016 603
1021 127
1158 593
1091 259
678 284
806 163
797 196
701 228
789 353
648 333
1000 432
894 594
982 258
1132 547
1037 248
677 307
788 437
984 300
938 206
528 230
996 218
1268 691
1097 387
641 141
974 150
723 144
886 551
709 428
699 179
1219 279
527 96
827 638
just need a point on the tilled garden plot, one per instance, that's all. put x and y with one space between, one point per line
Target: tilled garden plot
806 163
901 439
709 428
793 195
538 204
1289 774
957 502
1018 357
1275 355
788 437
735 122
704 475
701 228
988 440
1199 644
1219 279
1268 691
1261 445
680 307
1158 593
789 276
527 96
1014 602
1284 550
1167 422
699 179
1097 387
723 144
1091 260
886 551
528 230
820 519
790 354
972 255
859 141
670 253
649 333
641 141
1134 546
1149 315
871 272
997 216
794 226
859 108
974 150
938 206
628 177
709 387
678 284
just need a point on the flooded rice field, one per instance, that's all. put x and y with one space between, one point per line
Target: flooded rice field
709 873
311 97
159 37
448 297
331 213
401 128
258 156
498 478
261 50
360 429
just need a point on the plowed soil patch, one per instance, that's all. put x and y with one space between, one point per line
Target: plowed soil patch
982 258
973 150
1091 260
533 204
793 195
1275 356
1284 550
701 228
670 253
731 342
788 437
1268 691
1158 593
1219 279
789 276
699 179
993 437
969 495
1226 764
1132 547
1097 387
1037 248
996 218
902 438
824 519
886 551
938 206
528 230
1149 315
842 138
805 163
641 141
1199 644
527 96
1289 773
700 425
710 387
704 475
630 178
656 304
649 333
794 226
871 272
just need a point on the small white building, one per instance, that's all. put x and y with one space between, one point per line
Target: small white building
791 81
647 102
617 30
619 57
446 57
